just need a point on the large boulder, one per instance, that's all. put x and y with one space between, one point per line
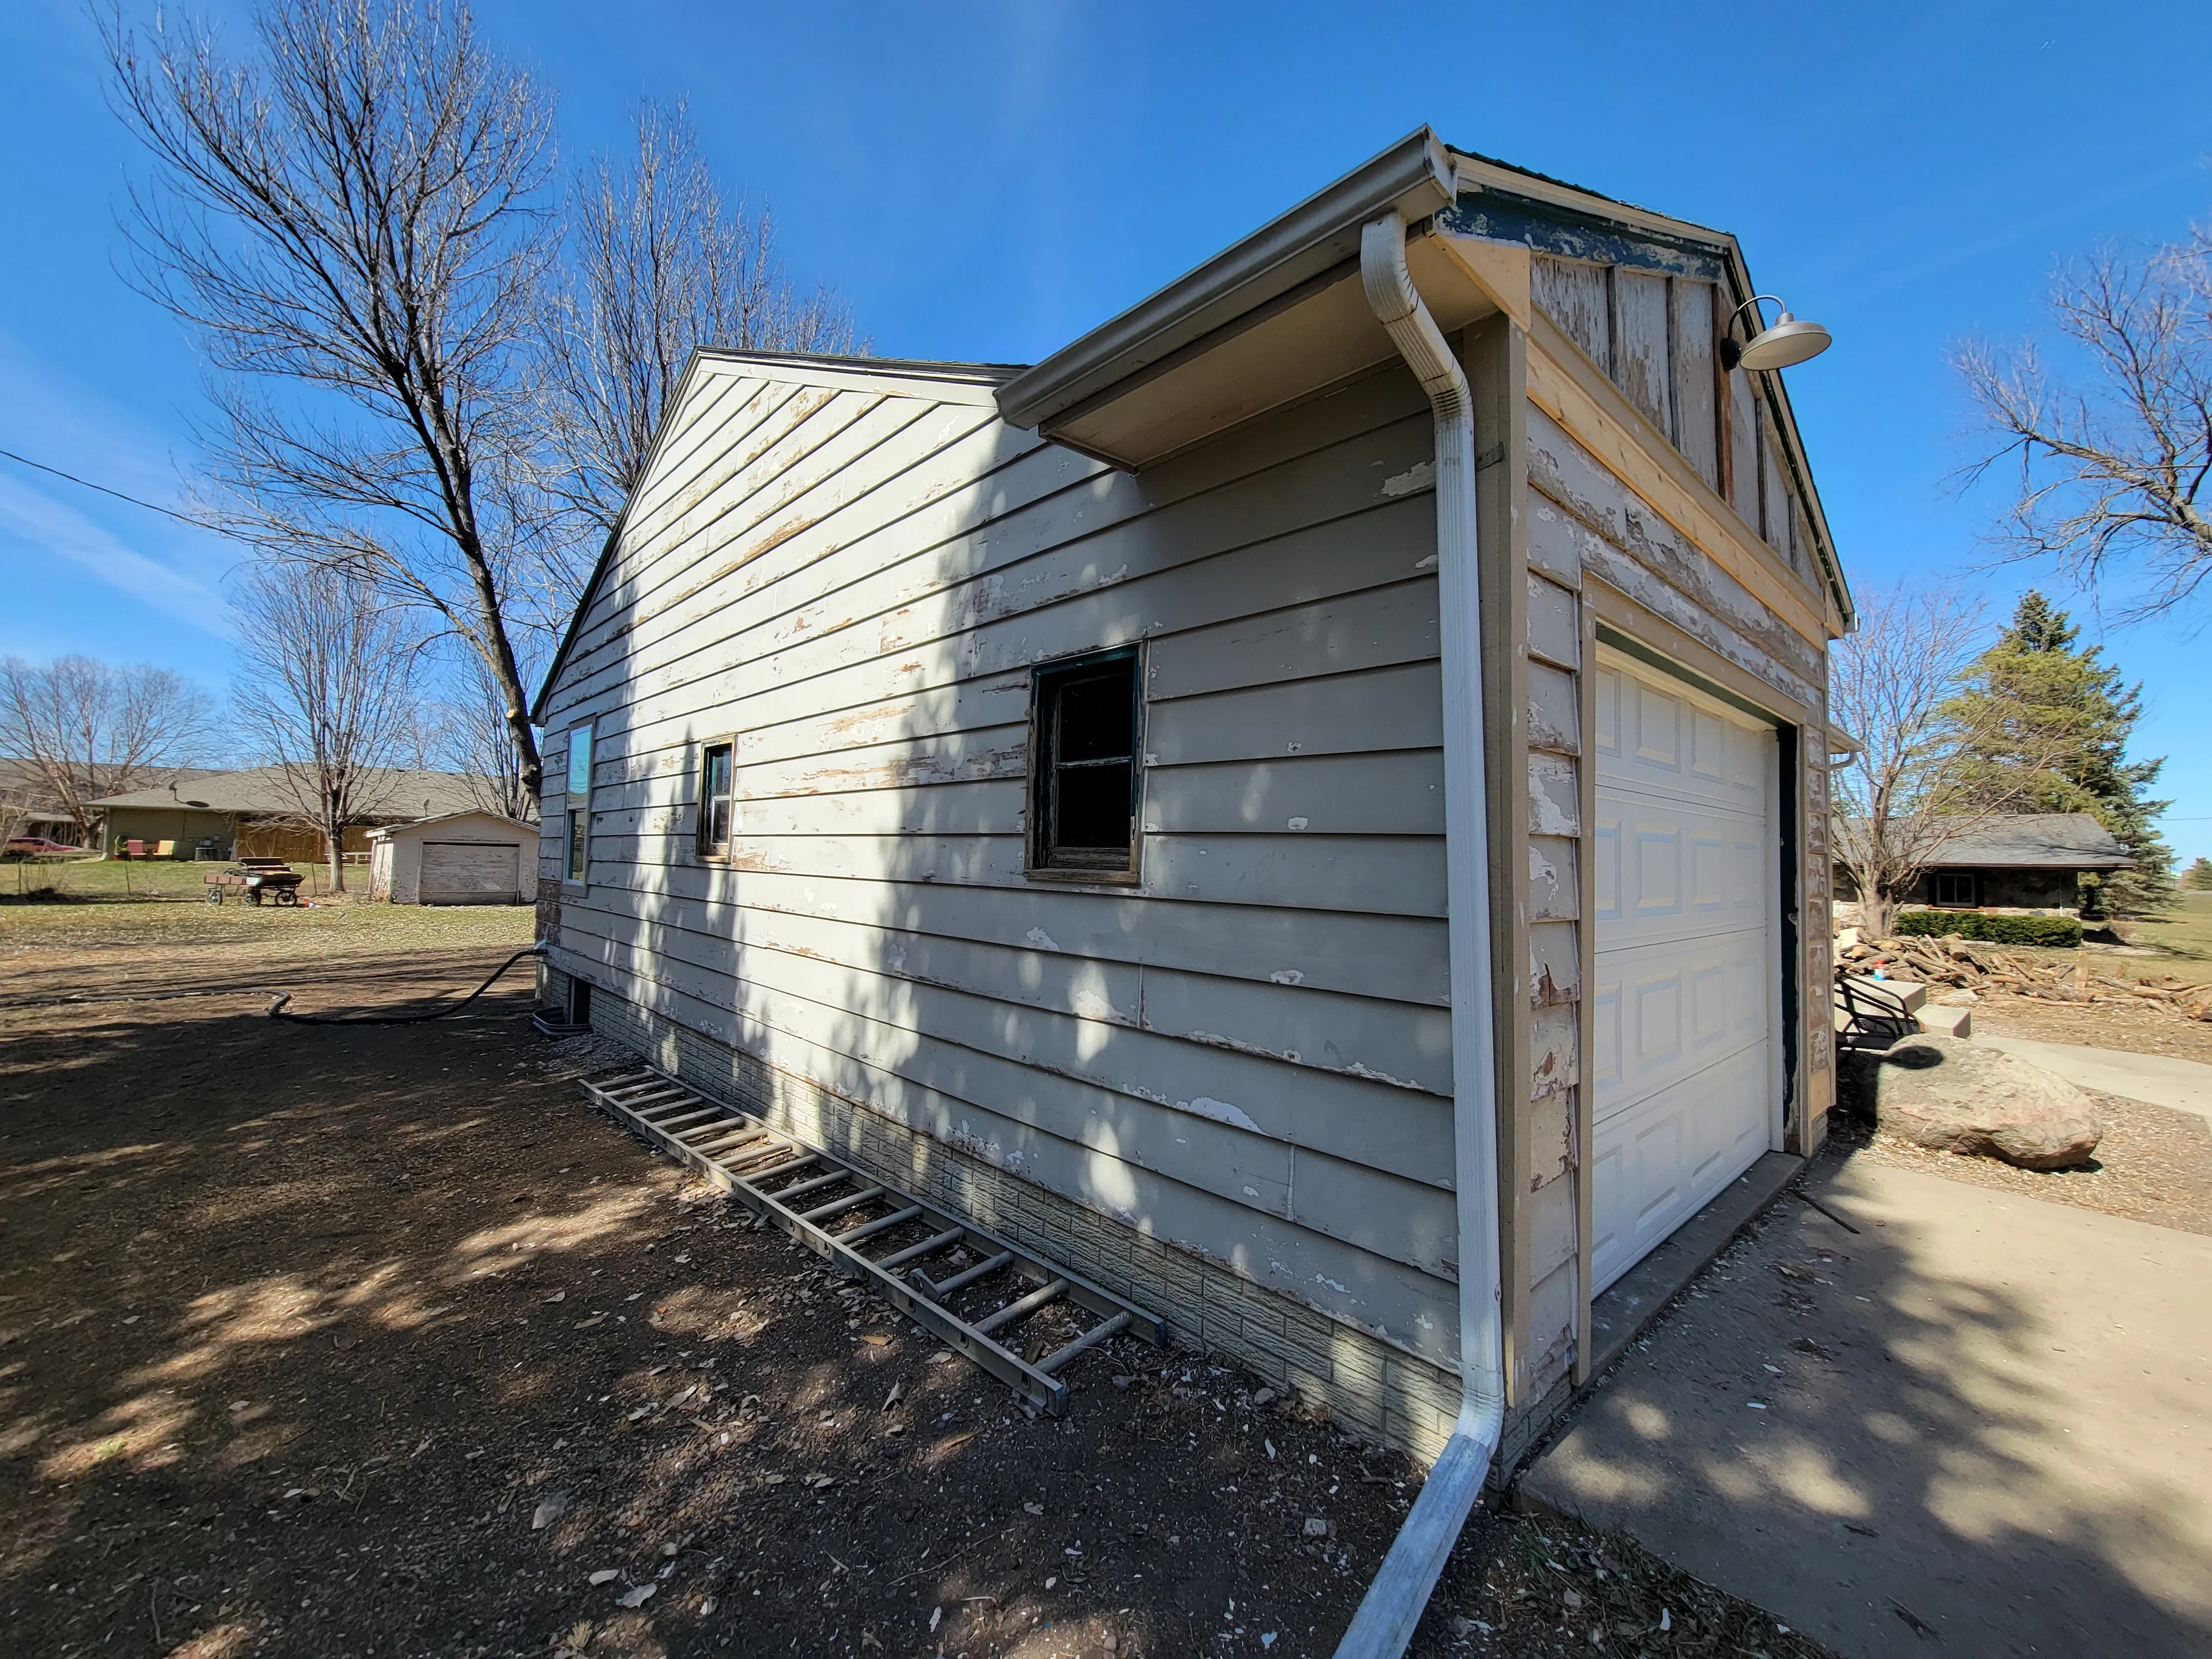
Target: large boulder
1950 1096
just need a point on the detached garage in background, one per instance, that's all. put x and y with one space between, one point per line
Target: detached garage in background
463 858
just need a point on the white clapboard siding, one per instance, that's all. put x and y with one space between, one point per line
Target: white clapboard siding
897 1067
1253 1041
941 592
1398 958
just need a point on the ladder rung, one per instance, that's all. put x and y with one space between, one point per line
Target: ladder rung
654 1093
727 1144
880 1224
754 1157
804 1160
837 1203
669 1125
927 1247
960 1281
1029 1304
1089 1338
801 1188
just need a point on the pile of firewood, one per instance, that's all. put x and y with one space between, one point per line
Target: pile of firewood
1969 965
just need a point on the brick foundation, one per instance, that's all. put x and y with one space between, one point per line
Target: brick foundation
1375 1389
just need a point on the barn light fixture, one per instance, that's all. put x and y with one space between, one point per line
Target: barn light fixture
1789 342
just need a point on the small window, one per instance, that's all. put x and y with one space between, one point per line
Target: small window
580 760
1954 889
1083 781
579 843
715 776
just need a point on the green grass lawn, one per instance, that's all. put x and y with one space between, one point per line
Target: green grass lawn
2182 936
88 903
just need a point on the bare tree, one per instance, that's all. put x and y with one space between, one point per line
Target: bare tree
349 217
91 729
468 737
326 688
1902 795
659 264
2111 479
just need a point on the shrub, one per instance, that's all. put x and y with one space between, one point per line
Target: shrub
2061 930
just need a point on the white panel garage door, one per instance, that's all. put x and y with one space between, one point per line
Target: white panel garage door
468 872
1685 1006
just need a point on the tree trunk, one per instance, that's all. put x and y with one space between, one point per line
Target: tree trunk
1876 910
334 847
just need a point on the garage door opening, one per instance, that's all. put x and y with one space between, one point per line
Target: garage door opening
1685 1071
468 873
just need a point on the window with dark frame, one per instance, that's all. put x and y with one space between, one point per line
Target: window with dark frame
715 776
1954 889
1083 776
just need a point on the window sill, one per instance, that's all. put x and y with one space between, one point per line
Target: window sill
1085 878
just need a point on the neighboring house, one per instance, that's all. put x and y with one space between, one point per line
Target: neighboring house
31 807
462 857
1052 787
2029 863
255 813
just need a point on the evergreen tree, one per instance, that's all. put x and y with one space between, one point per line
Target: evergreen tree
2199 876
2044 726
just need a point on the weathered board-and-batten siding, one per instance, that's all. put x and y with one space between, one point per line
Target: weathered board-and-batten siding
1247 1053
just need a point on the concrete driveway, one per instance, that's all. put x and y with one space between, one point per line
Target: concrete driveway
1982 1425
2183 1085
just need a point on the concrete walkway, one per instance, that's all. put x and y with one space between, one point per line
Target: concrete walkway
2185 1086
1980 1425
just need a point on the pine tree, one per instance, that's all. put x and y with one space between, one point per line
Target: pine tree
2043 724
2199 878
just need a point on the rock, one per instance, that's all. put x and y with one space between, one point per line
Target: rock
1317 1527
1949 1095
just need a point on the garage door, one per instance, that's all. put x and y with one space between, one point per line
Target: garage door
1684 1079
468 873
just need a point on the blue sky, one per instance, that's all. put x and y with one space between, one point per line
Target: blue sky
986 181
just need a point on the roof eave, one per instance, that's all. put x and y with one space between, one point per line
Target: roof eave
1415 176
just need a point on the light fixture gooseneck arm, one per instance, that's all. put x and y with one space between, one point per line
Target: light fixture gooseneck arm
1730 331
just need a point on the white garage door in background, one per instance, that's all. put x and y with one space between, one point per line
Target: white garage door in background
468 872
1686 1004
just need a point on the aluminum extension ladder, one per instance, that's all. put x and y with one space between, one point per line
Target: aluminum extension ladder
772 1172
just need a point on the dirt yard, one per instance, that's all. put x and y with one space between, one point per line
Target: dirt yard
378 1340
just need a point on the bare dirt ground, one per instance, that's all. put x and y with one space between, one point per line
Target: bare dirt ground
2153 1164
378 1341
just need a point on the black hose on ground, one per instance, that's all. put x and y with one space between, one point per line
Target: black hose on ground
277 1009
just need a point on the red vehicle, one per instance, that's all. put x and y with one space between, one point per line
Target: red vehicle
32 847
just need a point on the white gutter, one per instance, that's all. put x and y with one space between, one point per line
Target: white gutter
1393 1604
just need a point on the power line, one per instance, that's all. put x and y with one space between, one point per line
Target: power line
87 484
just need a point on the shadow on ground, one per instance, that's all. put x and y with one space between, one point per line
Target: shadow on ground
317 1340
1975 1423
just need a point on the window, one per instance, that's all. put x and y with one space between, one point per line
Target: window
1954 889
580 801
1083 778
715 779
580 842
580 760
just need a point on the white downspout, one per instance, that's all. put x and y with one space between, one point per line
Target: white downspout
1393 1604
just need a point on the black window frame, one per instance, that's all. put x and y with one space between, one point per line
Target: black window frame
704 840
1973 890
1047 682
